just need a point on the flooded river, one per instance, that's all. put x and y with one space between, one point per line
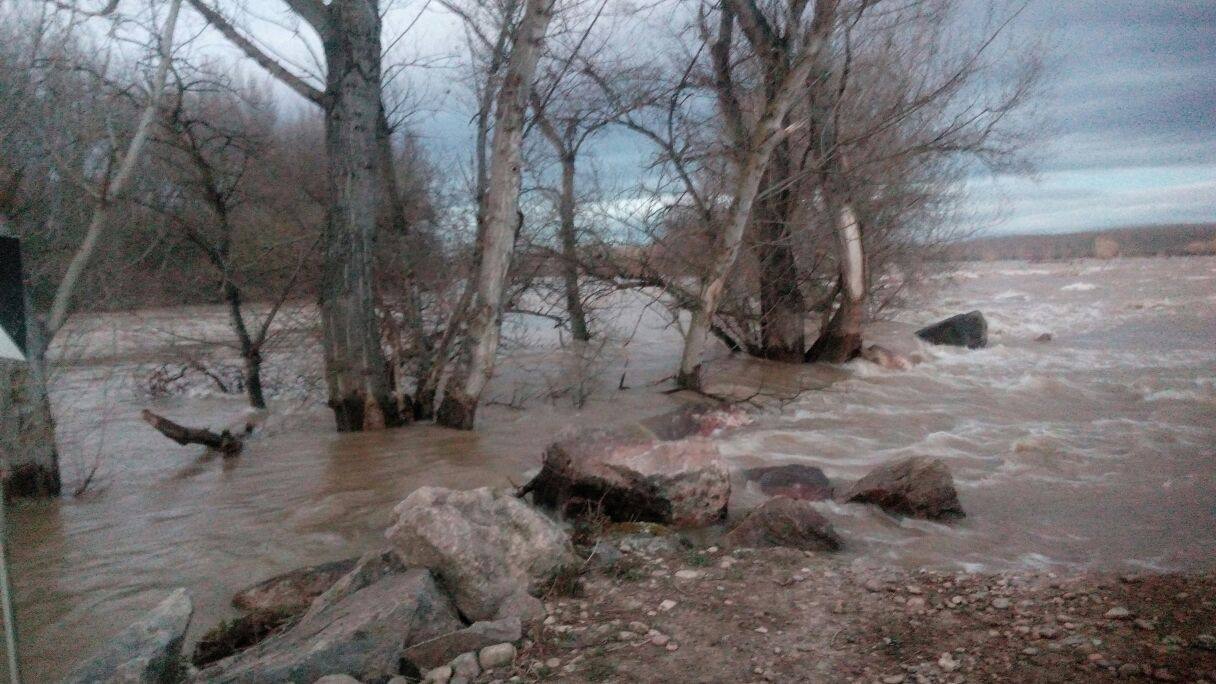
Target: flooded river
1094 450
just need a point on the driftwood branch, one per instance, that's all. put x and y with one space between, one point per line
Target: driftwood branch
224 442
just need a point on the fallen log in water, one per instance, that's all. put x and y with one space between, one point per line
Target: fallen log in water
224 442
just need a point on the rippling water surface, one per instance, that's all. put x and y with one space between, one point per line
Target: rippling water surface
1095 450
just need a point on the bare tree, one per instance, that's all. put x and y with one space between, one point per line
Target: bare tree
360 381
212 138
752 145
499 220
28 428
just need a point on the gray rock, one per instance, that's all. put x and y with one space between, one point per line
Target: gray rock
489 548
782 521
337 679
147 651
968 330
465 665
293 590
918 487
497 655
441 649
361 626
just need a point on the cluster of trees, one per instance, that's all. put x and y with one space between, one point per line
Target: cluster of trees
795 155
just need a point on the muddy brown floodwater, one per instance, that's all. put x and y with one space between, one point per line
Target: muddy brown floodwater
1095 450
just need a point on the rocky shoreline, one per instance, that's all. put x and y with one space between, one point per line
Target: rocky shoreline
479 585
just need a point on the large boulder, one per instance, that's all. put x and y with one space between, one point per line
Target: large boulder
292 591
361 626
492 552
661 470
968 330
918 487
792 480
148 651
785 522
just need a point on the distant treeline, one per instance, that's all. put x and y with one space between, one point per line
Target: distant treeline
1160 240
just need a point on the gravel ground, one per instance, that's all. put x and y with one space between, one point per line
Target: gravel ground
778 615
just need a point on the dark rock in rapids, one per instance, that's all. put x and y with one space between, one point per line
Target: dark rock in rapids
917 487
968 330
794 480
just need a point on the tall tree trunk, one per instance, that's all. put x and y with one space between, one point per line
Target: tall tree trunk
27 427
356 372
782 335
569 239
500 208
840 340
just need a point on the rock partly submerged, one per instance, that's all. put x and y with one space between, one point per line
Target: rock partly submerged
491 551
792 480
785 522
360 626
918 487
293 590
968 330
887 358
147 651
662 470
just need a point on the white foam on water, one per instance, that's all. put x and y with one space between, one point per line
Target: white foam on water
1078 287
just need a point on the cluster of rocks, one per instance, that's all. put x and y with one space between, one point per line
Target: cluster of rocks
464 572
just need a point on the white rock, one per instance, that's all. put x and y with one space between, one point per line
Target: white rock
337 679
498 655
688 574
667 605
439 675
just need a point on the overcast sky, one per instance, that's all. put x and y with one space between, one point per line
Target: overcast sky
1128 115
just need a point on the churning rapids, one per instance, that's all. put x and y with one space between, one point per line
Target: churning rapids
1094 451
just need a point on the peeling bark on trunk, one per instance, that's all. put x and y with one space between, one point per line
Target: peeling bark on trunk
500 207
569 239
840 340
356 372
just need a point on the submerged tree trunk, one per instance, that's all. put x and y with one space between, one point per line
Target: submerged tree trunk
840 340
569 240
782 307
754 149
250 354
27 427
356 372
500 208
